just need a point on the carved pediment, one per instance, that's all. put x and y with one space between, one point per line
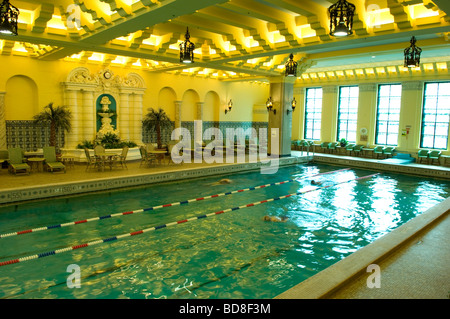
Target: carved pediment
82 75
105 78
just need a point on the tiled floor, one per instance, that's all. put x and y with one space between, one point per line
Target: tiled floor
420 270
78 173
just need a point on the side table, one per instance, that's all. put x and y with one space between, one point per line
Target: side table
69 161
36 163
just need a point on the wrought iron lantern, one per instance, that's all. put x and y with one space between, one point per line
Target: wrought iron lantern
341 18
291 66
412 55
187 49
8 18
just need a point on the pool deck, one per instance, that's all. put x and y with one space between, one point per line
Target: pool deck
413 259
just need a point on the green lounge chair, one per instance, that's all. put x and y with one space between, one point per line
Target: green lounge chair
349 148
324 146
4 157
434 156
304 145
51 162
357 149
295 144
16 163
389 151
332 147
378 150
421 155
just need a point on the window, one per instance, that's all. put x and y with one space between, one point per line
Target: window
347 113
436 115
388 114
313 113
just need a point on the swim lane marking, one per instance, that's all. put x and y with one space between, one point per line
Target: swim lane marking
139 232
185 202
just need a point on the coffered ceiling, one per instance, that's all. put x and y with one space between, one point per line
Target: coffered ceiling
234 39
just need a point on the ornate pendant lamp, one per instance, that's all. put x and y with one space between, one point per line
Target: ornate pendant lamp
291 66
341 18
412 55
187 49
8 18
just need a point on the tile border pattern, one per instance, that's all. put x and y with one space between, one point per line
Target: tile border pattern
16 195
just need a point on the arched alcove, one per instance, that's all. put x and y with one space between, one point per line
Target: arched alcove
211 108
166 101
189 106
21 98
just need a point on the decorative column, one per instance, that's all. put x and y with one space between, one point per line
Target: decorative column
177 113
72 104
200 119
124 117
282 93
137 118
298 122
88 116
2 121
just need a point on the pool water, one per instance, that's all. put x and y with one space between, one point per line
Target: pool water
232 255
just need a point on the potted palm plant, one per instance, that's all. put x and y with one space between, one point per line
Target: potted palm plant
155 120
58 117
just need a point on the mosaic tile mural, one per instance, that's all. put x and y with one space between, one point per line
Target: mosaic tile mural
30 136
150 137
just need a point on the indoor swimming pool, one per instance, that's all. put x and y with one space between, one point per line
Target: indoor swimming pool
202 239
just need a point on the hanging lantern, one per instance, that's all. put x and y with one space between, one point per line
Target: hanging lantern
412 55
341 18
187 49
8 18
291 66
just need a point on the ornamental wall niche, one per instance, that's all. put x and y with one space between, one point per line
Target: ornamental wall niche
82 90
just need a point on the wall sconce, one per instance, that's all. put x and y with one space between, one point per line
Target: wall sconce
341 18
230 105
269 105
9 15
293 105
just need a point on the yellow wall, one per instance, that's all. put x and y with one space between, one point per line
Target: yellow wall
34 83
410 115
246 97
22 98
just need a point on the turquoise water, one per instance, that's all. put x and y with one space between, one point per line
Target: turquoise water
231 255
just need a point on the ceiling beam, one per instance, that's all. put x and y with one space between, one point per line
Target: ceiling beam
443 5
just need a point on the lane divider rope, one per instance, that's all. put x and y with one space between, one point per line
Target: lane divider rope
139 232
185 202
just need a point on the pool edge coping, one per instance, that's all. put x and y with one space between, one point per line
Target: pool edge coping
18 195
335 277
